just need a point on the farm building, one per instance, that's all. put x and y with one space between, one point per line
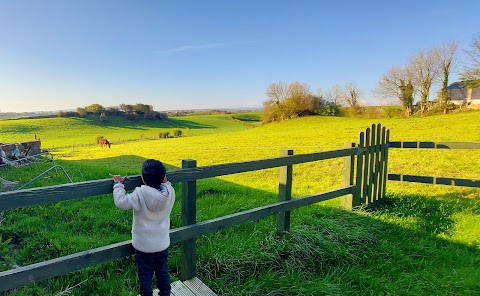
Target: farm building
461 95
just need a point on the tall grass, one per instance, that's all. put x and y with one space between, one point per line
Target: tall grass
423 242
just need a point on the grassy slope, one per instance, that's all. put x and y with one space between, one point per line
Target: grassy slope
329 251
61 132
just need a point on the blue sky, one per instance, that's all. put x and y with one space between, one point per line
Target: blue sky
194 54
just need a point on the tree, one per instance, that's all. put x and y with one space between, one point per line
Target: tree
142 108
293 100
351 96
300 101
425 71
113 111
336 94
398 83
471 71
126 108
81 112
273 107
445 56
95 108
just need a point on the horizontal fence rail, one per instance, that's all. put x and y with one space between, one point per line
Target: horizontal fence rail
36 196
431 179
436 145
59 266
434 180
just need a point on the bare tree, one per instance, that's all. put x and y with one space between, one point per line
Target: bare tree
445 56
278 92
273 107
352 94
336 94
425 71
398 83
471 71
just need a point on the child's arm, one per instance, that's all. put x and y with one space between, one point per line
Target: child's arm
123 200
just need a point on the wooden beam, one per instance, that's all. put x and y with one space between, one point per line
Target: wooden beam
24 275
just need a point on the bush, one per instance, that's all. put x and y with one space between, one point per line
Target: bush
161 116
103 118
66 114
132 116
113 111
375 112
164 135
82 112
149 115
177 133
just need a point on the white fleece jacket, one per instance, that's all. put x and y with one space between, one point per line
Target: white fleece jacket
151 215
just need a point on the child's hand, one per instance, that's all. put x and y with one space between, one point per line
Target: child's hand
118 178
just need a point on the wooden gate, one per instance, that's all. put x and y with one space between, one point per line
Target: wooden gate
371 176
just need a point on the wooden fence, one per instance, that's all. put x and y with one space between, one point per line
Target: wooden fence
364 185
431 179
191 229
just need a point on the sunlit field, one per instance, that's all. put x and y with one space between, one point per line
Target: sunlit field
424 241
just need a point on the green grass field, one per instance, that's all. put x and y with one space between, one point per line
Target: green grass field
65 132
425 241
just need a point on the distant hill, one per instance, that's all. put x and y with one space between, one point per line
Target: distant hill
13 115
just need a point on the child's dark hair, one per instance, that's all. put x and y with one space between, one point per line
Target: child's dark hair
153 172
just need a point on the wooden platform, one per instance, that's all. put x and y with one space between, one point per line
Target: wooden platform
191 287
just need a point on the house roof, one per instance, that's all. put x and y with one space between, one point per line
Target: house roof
456 85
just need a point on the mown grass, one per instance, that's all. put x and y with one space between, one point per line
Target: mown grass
423 242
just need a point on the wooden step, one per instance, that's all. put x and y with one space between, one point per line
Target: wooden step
191 287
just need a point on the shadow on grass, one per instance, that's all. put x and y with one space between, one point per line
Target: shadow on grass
190 124
121 122
395 250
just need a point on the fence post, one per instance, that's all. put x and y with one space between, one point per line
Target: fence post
284 193
348 172
189 217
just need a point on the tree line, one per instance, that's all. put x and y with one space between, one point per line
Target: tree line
426 68
403 83
292 100
130 112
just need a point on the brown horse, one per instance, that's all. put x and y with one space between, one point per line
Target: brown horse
104 142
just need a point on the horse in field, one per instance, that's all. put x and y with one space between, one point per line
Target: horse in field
104 143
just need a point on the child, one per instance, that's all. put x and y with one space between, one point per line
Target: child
152 204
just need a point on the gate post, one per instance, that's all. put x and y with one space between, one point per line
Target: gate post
189 217
284 193
348 201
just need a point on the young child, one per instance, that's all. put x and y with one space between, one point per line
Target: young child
152 204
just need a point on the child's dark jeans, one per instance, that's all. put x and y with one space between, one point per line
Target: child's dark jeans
147 264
